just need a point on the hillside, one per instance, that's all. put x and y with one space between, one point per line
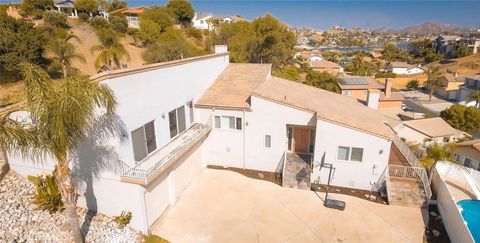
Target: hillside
428 28
464 66
88 39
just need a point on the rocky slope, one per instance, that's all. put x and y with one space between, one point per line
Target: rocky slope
21 221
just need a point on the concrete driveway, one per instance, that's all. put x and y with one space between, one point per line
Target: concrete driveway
224 206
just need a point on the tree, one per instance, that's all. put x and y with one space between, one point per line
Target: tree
413 84
462 117
35 8
183 11
87 6
437 152
119 23
171 45
360 67
19 42
391 53
275 41
323 80
99 22
63 52
463 51
60 119
433 81
115 5
153 22
424 52
474 96
112 52
240 38
55 19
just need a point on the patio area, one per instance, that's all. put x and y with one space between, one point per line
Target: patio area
224 206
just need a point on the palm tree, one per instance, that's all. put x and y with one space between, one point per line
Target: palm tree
474 96
64 52
433 80
110 48
60 119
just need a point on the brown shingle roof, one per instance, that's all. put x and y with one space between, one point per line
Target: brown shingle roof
328 106
432 127
233 87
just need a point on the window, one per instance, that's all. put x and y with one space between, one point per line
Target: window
143 140
228 122
350 154
357 154
268 141
467 162
343 153
347 92
176 119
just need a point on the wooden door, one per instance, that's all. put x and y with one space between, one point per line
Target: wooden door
301 137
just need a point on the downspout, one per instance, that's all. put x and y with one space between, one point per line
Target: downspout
145 209
244 141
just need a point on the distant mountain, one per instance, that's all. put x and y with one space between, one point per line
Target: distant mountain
431 27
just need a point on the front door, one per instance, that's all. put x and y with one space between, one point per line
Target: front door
301 138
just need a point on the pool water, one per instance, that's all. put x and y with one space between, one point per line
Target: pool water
471 214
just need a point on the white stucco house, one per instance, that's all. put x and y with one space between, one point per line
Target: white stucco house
200 21
403 68
428 130
178 117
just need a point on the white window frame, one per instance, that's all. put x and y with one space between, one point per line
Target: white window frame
267 141
350 149
227 127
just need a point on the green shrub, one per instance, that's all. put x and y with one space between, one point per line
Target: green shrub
193 32
48 195
83 17
99 22
385 75
154 239
119 23
413 84
55 18
123 219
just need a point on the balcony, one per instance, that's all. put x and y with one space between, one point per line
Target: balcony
148 169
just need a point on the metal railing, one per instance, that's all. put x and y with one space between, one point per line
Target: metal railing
284 164
415 173
383 178
193 134
406 152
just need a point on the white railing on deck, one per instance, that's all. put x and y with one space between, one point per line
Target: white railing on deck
415 173
194 132
406 152
383 178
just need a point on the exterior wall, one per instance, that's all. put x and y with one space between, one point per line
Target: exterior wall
202 24
407 71
361 175
149 96
390 104
142 97
414 136
224 147
461 153
164 191
452 219
359 94
271 118
400 71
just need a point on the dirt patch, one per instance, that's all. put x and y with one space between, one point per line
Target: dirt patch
363 194
435 224
254 174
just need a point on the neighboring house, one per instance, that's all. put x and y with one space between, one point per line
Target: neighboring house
200 21
67 7
314 55
428 129
471 84
132 15
386 99
357 87
448 44
324 65
403 68
175 118
449 86
468 154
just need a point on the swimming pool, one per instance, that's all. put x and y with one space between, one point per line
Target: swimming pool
471 214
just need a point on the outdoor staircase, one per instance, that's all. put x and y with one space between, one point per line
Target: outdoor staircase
296 171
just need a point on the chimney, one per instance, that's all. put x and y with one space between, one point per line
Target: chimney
455 74
221 49
372 98
388 87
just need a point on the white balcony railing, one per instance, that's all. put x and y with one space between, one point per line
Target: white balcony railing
147 169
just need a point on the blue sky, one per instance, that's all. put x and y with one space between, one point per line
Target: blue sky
322 15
